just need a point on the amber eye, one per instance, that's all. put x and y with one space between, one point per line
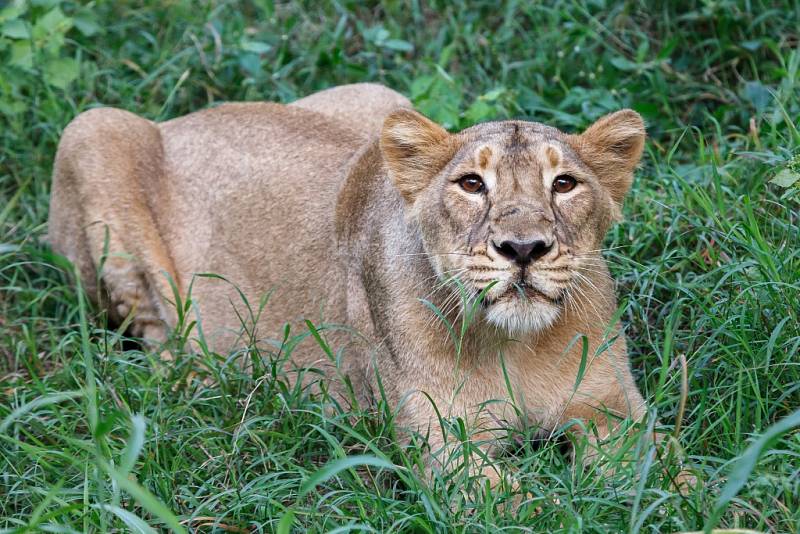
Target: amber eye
471 183
564 183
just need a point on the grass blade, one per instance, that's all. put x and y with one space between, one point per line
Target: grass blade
134 522
47 400
747 462
335 467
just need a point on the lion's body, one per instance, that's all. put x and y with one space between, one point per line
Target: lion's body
205 193
294 202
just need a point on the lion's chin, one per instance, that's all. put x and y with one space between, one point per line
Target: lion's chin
521 316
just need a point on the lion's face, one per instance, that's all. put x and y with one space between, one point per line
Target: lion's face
516 207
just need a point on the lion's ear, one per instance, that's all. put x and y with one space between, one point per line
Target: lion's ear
612 147
415 149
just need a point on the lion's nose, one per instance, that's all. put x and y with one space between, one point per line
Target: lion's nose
524 252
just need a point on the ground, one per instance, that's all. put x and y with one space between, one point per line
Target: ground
96 437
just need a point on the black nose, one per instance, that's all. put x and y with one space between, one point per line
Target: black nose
524 252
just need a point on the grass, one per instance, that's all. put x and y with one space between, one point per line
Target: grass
96 437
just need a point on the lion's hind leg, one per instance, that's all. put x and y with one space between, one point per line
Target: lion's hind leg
106 179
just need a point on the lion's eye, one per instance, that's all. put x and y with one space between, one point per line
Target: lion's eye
564 183
471 183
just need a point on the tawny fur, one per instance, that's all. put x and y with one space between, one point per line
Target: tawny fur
346 217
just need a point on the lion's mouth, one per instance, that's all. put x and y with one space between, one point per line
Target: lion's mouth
522 290
527 291
523 286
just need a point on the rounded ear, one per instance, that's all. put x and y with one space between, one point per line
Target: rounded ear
612 147
414 149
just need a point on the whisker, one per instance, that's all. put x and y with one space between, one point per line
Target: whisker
587 300
605 249
583 300
591 283
426 254
588 269
451 273
444 309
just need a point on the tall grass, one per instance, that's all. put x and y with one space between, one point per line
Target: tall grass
95 436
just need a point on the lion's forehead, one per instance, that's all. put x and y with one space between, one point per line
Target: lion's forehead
511 128
516 154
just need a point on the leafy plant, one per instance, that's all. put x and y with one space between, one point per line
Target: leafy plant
33 44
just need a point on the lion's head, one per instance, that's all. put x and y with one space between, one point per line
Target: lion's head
518 203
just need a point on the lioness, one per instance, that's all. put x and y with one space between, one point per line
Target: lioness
349 208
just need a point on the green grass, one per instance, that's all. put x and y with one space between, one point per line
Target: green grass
95 437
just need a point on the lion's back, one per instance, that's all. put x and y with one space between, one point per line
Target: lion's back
254 191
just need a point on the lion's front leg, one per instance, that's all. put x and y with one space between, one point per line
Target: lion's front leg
606 401
604 416
461 445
